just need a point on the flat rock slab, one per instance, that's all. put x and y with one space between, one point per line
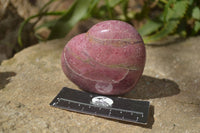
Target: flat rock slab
33 77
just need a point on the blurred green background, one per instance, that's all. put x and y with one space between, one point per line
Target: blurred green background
154 19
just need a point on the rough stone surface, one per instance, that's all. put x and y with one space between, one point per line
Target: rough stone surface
33 77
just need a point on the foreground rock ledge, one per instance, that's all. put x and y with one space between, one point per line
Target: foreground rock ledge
33 77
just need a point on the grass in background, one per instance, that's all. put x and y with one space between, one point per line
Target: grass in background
160 18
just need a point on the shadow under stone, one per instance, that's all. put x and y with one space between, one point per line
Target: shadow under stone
150 87
5 78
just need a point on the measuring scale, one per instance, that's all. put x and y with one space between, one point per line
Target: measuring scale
104 106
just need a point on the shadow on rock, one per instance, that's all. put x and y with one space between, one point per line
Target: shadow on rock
150 87
5 78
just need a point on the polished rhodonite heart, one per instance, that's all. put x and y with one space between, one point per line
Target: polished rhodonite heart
109 59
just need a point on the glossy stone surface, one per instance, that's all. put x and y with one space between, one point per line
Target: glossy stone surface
109 59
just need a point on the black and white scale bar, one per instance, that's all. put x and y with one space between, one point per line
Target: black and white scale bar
105 106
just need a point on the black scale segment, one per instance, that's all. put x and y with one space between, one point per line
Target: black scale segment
105 106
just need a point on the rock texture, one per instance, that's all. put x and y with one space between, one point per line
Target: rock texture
33 77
